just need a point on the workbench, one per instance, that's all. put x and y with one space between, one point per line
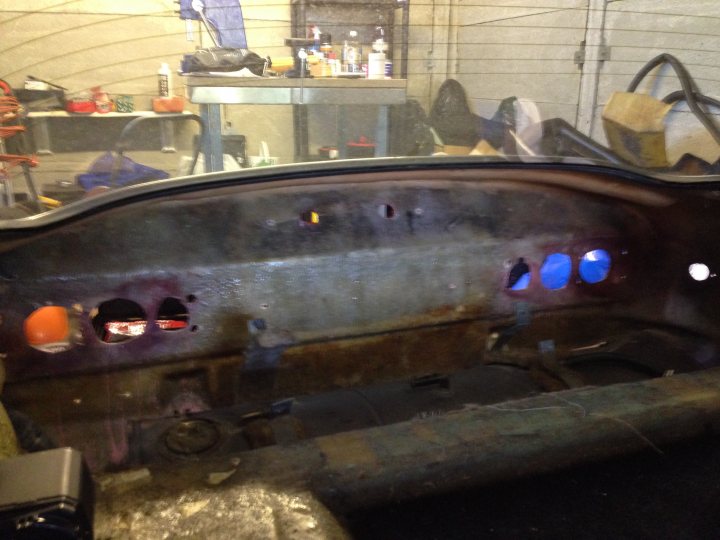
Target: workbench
212 92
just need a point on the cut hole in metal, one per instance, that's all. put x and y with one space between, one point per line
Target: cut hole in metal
595 266
386 211
119 320
699 271
48 329
519 276
311 217
555 271
172 315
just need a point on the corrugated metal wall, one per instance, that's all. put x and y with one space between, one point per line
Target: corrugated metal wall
495 48
511 49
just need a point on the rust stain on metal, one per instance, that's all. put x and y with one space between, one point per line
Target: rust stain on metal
347 450
424 432
470 431
350 362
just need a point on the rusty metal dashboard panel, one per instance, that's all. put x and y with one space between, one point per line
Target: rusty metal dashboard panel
442 254
243 293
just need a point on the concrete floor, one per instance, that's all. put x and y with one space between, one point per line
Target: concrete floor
55 176
64 167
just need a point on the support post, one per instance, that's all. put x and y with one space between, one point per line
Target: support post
595 53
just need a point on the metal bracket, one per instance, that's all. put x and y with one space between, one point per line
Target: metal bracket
429 61
266 346
547 348
579 56
262 358
523 316
604 54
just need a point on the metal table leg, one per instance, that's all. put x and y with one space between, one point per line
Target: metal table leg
342 132
212 141
300 123
167 137
381 131
41 136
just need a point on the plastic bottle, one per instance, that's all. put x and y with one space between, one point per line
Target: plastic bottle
164 80
379 44
376 65
335 67
376 59
352 53
102 100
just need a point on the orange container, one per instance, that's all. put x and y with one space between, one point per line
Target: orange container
168 105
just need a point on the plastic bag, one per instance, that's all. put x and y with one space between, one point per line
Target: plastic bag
127 172
410 133
263 159
224 59
451 116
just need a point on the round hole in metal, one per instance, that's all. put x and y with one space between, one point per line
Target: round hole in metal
555 271
172 315
595 266
519 276
119 320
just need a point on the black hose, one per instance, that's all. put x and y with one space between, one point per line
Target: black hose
124 140
679 95
689 89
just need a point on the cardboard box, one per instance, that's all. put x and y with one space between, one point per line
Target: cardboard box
635 128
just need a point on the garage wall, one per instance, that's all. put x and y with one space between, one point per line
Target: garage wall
79 44
431 40
523 49
638 30
116 44
120 45
495 48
